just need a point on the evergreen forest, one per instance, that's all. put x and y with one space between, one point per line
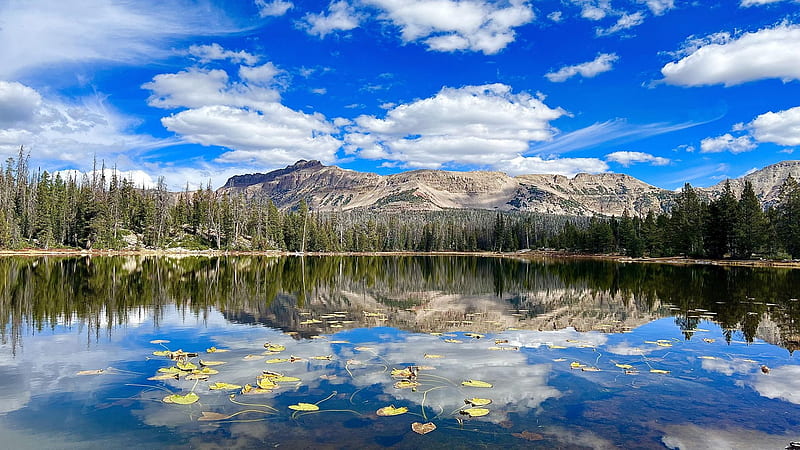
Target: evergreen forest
93 211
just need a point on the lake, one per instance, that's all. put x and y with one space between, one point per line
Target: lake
401 352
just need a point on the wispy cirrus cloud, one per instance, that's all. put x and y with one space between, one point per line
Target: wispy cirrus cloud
37 34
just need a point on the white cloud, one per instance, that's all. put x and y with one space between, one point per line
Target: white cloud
626 21
199 87
767 53
555 16
603 63
213 52
628 158
272 137
475 125
694 437
340 17
659 7
782 127
449 25
726 142
57 131
617 130
748 3
594 9
783 383
138 177
319 91
243 115
273 8
44 33
569 167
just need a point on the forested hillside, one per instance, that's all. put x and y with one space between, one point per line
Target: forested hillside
98 212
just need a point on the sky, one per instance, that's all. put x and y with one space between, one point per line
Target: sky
195 91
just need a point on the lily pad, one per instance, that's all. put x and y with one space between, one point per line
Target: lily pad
209 416
476 383
165 376
406 384
266 383
304 407
186 366
274 347
322 358
478 401
423 428
277 360
211 363
159 341
178 399
219 385
216 350
475 412
430 356
659 371
91 372
392 411
624 366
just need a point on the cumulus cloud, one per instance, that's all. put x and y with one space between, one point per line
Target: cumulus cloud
783 383
243 115
340 17
594 9
57 131
273 8
727 142
555 16
39 33
449 25
213 52
569 167
625 22
590 69
722 59
659 7
628 158
473 125
782 127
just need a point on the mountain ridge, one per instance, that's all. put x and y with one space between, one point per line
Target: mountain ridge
331 188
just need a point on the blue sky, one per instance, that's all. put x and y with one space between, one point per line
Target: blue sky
668 91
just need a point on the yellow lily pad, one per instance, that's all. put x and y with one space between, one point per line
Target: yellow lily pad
432 356
211 363
178 399
172 370
406 384
304 407
186 366
475 412
284 379
159 341
164 376
91 372
478 401
392 411
556 347
274 347
452 341
219 386
476 383
197 376
216 350
659 371
624 366
277 360
474 335
166 353
576 365
322 358
266 383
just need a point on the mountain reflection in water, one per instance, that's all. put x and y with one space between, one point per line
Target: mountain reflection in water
414 293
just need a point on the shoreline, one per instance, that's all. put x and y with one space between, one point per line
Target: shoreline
531 255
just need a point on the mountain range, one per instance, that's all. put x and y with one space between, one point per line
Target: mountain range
330 188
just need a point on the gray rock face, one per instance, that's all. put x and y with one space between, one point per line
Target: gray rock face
330 188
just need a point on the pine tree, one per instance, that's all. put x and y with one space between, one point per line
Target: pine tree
750 229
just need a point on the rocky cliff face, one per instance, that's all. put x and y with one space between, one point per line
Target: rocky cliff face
330 188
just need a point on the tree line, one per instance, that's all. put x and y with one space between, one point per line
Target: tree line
726 226
102 210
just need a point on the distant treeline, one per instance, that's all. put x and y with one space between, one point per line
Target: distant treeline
723 227
109 212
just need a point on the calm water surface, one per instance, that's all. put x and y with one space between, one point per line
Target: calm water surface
580 354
